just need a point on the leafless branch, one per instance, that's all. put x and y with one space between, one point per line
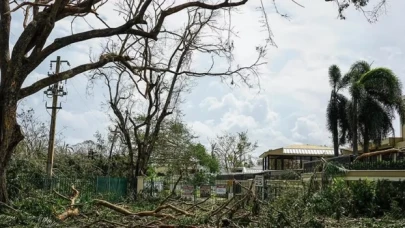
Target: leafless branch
35 87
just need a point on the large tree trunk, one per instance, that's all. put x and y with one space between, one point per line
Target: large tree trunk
366 143
354 127
10 133
335 136
141 163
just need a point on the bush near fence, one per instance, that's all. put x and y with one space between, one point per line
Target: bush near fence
349 162
361 198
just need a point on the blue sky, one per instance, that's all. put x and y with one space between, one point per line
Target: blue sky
289 107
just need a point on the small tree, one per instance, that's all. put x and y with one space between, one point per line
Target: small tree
336 112
35 133
233 150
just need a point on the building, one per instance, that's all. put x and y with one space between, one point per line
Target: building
294 156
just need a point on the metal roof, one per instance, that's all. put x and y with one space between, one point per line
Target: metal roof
308 151
303 149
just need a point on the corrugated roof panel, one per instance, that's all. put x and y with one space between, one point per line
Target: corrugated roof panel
308 151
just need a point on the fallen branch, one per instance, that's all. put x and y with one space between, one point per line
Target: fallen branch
113 223
113 207
239 203
68 213
224 205
71 210
8 206
61 196
381 152
106 221
198 205
174 209
154 213
172 191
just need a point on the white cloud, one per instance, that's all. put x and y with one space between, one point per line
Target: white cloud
308 129
229 100
82 125
234 119
294 85
290 106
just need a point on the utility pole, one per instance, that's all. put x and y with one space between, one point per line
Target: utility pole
53 91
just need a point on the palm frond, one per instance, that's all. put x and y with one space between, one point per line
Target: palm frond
382 84
345 81
400 108
343 118
334 76
332 115
377 118
358 69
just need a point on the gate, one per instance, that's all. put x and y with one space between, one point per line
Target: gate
115 187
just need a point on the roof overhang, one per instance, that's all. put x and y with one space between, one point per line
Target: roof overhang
326 152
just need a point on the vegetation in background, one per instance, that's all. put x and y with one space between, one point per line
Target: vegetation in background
336 116
233 150
376 95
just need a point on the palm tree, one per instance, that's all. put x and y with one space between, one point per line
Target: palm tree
376 96
336 111
376 126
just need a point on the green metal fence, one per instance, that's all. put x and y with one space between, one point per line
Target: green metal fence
109 187
115 187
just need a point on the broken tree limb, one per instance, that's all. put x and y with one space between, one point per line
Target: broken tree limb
71 210
173 190
198 205
174 209
113 207
61 196
154 213
224 205
8 206
68 213
237 205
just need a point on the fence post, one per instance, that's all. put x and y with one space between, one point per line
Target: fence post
96 184
139 183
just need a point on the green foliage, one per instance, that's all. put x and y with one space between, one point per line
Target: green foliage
38 205
378 165
333 201
363 197
376 96
179 151
233 150
290 175
337 120
204 159
290 209
191 221
359 198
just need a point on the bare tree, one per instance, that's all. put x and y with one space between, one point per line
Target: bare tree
35 133
33 46
233 150
158 77
371 15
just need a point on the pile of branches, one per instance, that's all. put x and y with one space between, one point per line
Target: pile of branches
240 210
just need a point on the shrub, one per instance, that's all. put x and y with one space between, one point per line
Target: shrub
363 197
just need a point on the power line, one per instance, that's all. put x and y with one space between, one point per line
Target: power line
56 90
